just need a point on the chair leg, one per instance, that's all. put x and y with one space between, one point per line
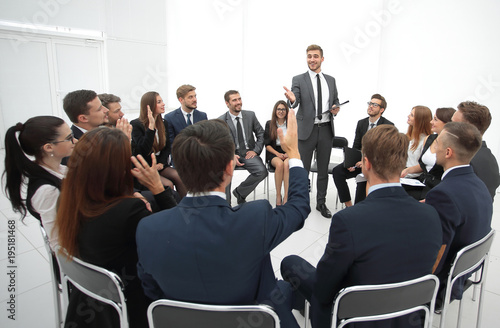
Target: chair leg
307 308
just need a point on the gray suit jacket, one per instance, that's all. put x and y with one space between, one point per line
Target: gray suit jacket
251 126
304 94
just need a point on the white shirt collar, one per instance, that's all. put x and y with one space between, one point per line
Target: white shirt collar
207 193
452 168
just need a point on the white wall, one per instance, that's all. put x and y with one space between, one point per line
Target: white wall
434 53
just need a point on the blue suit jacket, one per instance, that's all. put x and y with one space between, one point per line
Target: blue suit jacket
465 208
205 251
389 237
176 121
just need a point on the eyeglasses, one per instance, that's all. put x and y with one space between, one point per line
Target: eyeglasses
281 109
373 104
70 137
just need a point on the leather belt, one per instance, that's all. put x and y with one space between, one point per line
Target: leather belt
322 124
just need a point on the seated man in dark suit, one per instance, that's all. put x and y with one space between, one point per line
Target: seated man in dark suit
85 110
204 250
185 115
461 199
376 107
243 125
484 162
389 237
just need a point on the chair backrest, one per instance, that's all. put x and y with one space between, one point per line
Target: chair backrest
176 314
378 302
94 281
471 257
339 142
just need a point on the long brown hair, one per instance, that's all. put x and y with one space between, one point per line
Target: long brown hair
423 117
273 128
149 98
99 175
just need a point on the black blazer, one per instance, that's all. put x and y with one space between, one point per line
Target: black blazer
108 241
485 166
433 177
142 142
362 128
77 133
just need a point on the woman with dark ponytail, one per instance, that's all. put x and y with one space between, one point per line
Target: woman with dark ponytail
48 139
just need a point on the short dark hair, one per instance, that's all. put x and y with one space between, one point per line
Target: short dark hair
476 114
315 47
76 103
464 138
444 114
183 90
386 149
201 153
381 98
229 93
107 98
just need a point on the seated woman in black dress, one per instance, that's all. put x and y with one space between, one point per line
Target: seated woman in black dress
98 216
274 154
150 135
430 171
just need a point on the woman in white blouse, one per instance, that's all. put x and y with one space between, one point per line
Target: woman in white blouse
48 139
419 128
275 155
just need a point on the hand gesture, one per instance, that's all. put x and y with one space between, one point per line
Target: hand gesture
147 175
236 160
289 95
123 125
151 119
289 142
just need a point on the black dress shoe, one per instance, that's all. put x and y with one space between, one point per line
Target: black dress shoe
240 199
324 210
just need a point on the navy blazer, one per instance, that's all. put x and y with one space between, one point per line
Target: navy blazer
205 251
465 208
485 166
304 96
389 237
362 128
251 126
177 122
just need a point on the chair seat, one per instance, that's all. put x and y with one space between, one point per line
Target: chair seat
331 166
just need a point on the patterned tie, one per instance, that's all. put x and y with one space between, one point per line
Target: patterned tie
241 139
189 120
320 98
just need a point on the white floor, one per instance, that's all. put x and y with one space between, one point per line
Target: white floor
34 305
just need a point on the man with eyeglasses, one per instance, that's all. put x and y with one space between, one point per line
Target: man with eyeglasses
376 107
316 93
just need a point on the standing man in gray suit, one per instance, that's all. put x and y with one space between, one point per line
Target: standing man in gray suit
316 93
243 125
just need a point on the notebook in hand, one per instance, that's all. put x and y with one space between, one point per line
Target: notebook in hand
351 156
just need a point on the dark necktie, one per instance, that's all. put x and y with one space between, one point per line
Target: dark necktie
320 98
372 125
189 120
241 139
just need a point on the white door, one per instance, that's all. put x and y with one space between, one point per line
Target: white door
37 71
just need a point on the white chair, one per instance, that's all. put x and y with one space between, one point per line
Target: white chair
176 314
96 282
386 301
472 258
